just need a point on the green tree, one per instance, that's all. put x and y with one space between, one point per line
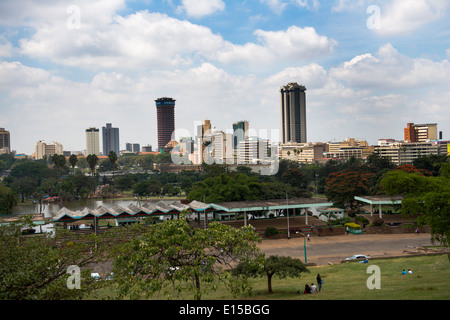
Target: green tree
171 258
426 197
92 160
36 267
7 199
279 266
112 156
226 187
59 161
24 186
295 178
73 159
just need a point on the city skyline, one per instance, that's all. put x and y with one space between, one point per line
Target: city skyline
370 66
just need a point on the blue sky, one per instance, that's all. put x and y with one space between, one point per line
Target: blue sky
370 66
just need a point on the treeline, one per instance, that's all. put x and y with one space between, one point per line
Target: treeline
81 177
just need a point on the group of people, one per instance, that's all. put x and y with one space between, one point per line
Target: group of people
313 288
406 272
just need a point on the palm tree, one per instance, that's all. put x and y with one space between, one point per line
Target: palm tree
113 158
73 159
59 162
92 160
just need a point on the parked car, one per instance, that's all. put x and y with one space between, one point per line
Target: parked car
357 257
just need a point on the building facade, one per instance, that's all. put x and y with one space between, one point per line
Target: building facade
111 140
293 113
222 147
5 141
253 151
133 147
406 152
43 149
92 141
240 132
165 112
420 132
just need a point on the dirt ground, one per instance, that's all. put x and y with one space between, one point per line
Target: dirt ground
333 249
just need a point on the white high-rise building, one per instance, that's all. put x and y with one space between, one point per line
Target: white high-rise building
93 141
253 151
222 147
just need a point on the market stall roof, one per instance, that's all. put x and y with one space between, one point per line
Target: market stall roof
379 200
176 207
259 205
147 209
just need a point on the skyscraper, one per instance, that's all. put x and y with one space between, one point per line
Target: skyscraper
93 141
110 137
240 132
293 113
165 111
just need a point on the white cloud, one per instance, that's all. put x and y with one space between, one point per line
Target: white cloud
389 69
405 16
146 40
277 6
345 5
296 42
201 8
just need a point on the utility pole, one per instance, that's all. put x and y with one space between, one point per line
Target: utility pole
287 211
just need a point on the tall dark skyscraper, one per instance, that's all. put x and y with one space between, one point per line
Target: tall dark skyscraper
110 137
165 111
293 113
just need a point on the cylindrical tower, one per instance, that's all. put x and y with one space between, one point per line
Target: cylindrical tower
165 110
293 113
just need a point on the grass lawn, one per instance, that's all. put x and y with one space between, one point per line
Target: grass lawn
430 281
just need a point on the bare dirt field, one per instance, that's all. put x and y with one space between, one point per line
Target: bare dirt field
333 249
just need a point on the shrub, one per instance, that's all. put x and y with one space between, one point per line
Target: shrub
377 222
271 231
361 219
352 225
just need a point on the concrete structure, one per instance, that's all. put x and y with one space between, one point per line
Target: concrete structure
350 147
253 151
5 140
111 140
404 153
203 139
147 148
133 147
222 148
165 112
240 132
420 132
93 141
302 152
293 113
43 149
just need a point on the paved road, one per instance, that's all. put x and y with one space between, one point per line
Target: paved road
322 250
